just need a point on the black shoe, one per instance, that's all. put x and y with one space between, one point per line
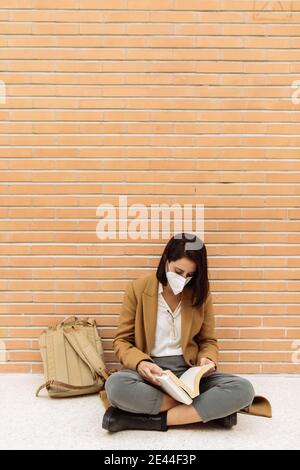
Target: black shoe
115 419
226 421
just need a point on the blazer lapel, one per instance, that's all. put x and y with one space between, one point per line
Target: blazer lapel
150 300
187 312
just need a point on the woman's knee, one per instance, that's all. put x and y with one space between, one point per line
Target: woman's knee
246 391
117 384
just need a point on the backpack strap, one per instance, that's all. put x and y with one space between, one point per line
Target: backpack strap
74 345
64 385
90 353
69 320
86 351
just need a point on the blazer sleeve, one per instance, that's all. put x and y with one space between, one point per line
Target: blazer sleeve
124 341
206 338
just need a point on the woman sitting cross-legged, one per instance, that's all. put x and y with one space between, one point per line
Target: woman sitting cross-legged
167 322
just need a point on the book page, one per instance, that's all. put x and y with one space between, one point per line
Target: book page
172 389
188 383
191 377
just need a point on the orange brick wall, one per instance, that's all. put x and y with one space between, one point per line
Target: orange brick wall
163 101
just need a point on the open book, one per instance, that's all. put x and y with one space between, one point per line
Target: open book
185 388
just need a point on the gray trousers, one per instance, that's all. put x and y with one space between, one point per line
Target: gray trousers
221 394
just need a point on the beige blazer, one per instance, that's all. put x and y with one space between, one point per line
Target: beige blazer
136 331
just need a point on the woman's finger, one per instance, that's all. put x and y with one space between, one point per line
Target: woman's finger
148 374
152 377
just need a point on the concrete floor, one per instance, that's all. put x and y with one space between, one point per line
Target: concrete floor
27 422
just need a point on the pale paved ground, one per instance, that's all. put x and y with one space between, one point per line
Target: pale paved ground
27 422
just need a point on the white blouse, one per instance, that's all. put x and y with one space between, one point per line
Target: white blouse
167 340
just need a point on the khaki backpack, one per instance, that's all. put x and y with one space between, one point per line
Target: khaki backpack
73 358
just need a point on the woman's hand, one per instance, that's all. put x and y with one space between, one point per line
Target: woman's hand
203 362
149 371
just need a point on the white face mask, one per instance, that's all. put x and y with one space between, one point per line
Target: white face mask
176 281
